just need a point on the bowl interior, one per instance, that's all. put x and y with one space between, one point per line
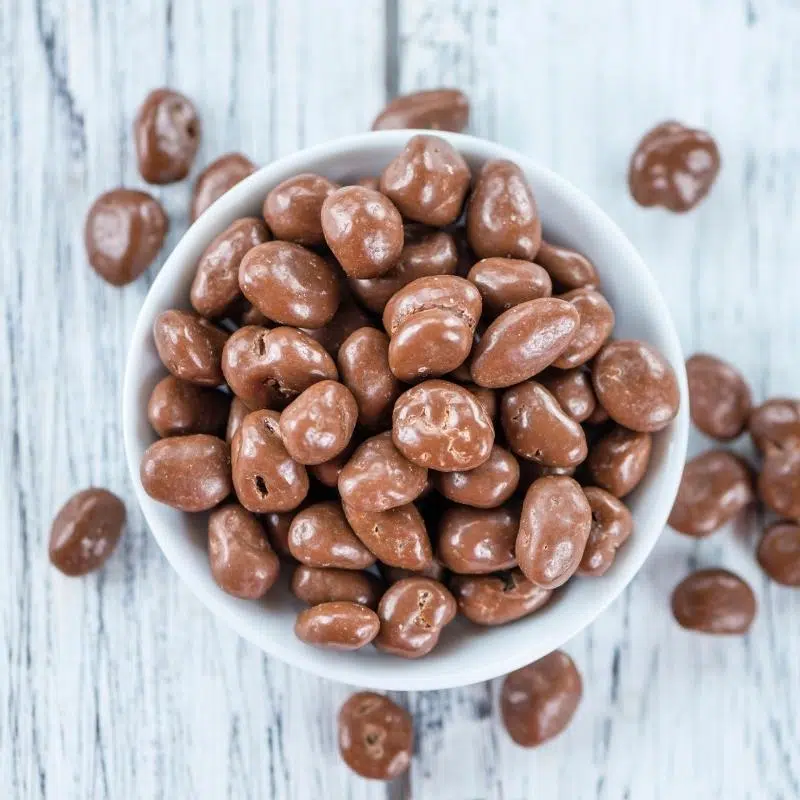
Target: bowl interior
466 654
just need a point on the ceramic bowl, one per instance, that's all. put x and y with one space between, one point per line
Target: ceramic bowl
466 653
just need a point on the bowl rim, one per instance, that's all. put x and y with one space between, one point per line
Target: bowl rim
207 226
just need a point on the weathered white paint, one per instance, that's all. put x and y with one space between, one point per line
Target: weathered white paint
122 685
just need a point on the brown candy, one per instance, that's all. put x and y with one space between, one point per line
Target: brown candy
431 109
461 375
123 233
316 585
289 284
317 425
596 324
779 553
475 541
216 283
413 612
539 701
433 570
486 397
242 562
375 736
190 473
293 208
497 599
347 320
636 385
715 487
554 527
573 390
537 428
612 525
598 416
167 135
218 177
379 477
775 424
714 601
530 471
486 486
363 229
425 253
567 268
429 344
277 524
364 366
779 481
507 282
466 256
320 536
673 166
190 347
271 367
502 216
85 532
719 397
237 413
522 341
434 293
177 408
618 461
328 472
427 181
265 476
397 537
339 625
242 312
440 425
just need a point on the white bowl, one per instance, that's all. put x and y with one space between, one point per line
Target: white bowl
466 653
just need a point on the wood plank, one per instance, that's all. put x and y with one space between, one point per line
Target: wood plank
576 85
122 684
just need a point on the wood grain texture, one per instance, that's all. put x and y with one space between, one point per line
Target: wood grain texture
665 714
122 685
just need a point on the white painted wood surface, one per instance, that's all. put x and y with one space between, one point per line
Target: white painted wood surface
121 685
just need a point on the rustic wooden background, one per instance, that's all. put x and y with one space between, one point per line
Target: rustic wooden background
121 685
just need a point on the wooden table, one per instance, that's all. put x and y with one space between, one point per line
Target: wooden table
122 685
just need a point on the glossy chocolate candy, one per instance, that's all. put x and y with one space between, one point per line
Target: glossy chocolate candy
86 531
123 233
432 109
167 135
674 167
539 701
714 601
375 736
